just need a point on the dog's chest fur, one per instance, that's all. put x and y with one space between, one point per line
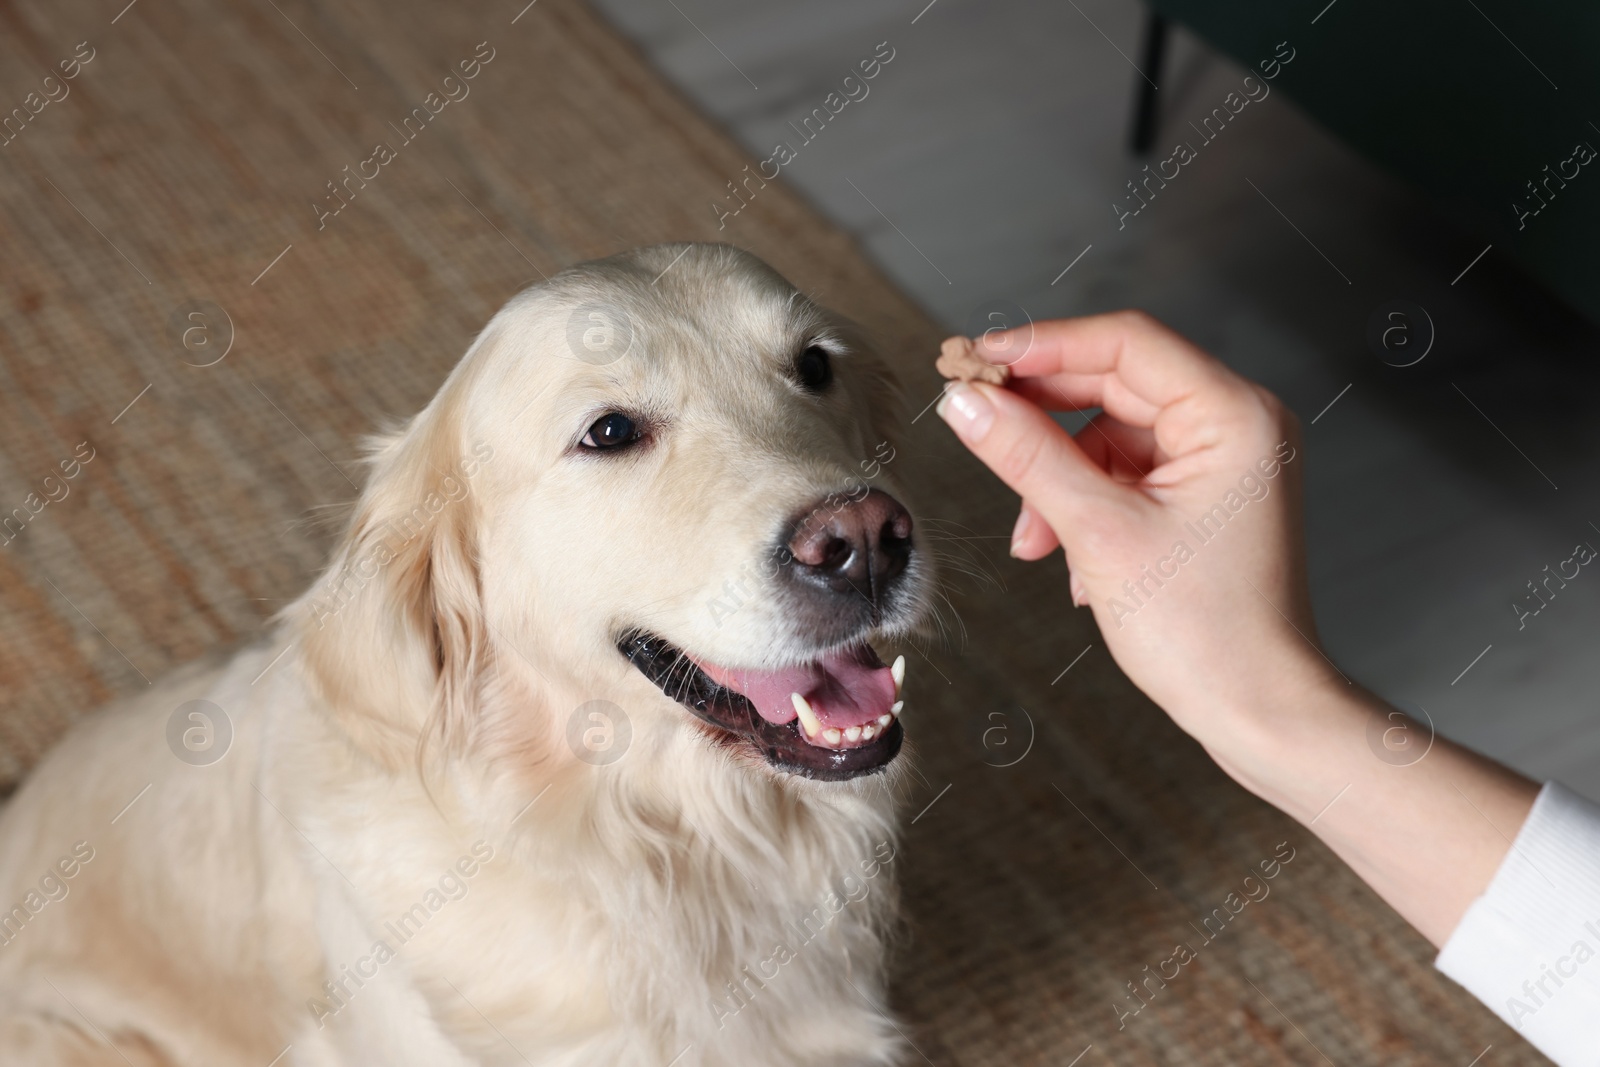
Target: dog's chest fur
593 926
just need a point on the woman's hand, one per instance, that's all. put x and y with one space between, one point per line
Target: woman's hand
1178 506
1179 510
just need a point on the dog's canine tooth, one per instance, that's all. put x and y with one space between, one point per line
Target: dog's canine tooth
808 718
832 735
853 734
898 670
885 719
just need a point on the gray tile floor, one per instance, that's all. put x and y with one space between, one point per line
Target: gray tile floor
984 161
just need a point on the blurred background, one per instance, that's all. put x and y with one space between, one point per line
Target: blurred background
988 156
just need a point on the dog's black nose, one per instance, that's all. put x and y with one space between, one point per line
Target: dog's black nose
852 544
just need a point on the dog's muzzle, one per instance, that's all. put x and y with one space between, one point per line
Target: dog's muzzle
844 570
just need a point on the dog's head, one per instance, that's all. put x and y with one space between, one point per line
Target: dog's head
660 484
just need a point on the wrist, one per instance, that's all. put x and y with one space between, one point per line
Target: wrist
1294 734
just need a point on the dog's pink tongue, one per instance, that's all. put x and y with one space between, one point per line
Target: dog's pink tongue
845 689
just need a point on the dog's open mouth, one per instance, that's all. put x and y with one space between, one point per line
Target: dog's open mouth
833 718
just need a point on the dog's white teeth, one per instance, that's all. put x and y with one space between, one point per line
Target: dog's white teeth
853 734
831 735
868 732
885 720
898 670
808 718
894 709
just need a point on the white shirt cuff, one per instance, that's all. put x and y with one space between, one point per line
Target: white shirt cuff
1529 948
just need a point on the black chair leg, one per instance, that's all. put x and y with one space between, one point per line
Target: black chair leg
1144 115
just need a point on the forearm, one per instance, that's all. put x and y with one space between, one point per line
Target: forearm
1427 829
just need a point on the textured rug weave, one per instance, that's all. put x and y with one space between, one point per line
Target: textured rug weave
193 339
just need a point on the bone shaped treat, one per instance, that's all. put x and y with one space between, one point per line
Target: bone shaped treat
958 362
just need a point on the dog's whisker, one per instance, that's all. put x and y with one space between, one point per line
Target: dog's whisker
937 616
956 623
966 568
961 558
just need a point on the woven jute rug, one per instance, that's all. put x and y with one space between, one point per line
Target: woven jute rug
192 342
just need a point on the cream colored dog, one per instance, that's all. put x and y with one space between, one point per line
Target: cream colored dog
567 759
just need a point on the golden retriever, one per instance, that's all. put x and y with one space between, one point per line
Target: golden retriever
568 758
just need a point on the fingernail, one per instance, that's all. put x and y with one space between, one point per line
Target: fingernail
1020 530
967 412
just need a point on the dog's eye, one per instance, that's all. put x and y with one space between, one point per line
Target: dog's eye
610 431
814 368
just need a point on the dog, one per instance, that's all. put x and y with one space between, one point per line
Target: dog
579 751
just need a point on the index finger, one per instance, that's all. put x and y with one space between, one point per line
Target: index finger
1125 362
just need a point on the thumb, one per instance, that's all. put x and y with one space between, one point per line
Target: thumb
1026 448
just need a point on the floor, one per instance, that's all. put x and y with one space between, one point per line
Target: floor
980 167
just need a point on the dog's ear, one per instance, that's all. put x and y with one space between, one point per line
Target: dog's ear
393 634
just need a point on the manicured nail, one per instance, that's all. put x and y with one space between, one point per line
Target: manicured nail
967 411
1020 531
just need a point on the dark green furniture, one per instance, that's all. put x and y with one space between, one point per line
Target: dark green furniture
1490 108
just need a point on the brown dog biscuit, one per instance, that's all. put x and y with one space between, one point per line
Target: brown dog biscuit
958 362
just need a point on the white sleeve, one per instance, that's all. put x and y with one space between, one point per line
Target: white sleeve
1529 948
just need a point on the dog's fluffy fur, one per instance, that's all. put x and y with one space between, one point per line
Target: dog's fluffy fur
400 858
